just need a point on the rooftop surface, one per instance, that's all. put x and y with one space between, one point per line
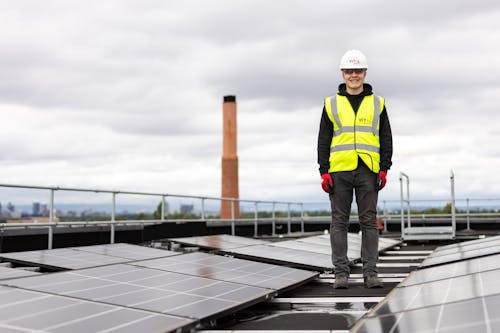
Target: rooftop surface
217 283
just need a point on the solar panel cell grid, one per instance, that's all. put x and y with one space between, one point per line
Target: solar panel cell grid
225 242
277 254
126 251
474 315
230 269
456 269
440 292
11 273
166 292
29 311
458 256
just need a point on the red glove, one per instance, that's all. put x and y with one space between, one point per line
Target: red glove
327 183
382 179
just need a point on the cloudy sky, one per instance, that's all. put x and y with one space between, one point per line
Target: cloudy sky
128 94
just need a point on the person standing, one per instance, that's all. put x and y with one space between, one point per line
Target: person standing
354 156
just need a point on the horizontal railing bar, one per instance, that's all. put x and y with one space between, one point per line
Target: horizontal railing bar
75 189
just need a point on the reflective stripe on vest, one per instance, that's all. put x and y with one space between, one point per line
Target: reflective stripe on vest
354 134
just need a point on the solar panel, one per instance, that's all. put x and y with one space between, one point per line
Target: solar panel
147 289
31 311
451 270
222 242
466 246
440 292
65 258
126 251
310 252
11 273
457 297
304 246
461 245
86 256
473 315
469 252
286 256
232 270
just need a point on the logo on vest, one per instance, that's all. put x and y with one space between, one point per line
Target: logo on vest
364 121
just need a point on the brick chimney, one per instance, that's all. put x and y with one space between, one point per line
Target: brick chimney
229 159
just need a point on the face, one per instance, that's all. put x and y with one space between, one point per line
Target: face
354 79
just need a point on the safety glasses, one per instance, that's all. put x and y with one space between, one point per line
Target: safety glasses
353 70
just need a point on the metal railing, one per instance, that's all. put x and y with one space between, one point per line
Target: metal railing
51 224
293 216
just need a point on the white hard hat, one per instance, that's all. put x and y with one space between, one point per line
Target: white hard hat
353 59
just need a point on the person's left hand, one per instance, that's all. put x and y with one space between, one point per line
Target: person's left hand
382 180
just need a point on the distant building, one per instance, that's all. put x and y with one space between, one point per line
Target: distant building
187 209
11 208
44 210
36 209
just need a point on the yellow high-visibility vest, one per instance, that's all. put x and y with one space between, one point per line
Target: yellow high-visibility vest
354 134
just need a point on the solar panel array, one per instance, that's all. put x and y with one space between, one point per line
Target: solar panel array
166 292
309 252
450 296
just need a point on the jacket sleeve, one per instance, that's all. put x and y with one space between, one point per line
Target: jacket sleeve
324 140
385 135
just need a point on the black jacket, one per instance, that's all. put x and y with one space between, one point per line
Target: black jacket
326 132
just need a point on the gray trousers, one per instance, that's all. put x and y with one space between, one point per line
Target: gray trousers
362 182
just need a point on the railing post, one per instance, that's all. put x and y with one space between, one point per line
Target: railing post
468 214
50 235
162 217
202 208
274 220
302 229
113 219
256 219
384 212
453 215
51 212
232 218
289 220
402 207
403 200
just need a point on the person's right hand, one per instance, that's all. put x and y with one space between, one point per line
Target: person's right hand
327 183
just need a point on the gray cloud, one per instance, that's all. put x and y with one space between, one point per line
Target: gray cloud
128 93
